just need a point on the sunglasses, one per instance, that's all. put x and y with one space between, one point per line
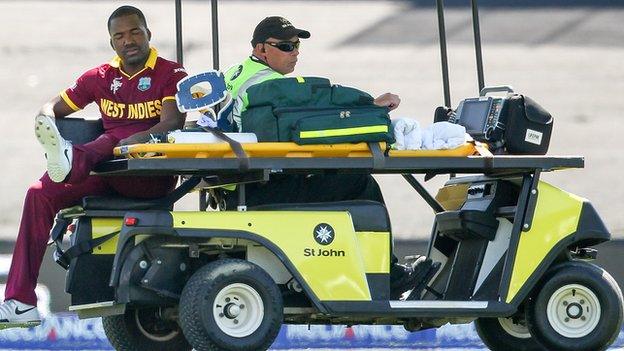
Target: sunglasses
286 46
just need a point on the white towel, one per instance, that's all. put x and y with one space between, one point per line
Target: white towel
445 135
438 136
406 133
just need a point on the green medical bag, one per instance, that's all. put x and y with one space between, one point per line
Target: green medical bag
311 110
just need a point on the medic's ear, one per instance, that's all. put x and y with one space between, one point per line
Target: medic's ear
110 41
259 47
149 34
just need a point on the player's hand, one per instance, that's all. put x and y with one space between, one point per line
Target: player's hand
125 141
389 100
134 139
47 110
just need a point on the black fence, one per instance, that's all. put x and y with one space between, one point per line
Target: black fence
523 3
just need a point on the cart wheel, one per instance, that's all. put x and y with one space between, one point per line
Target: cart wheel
506 334
579 307
231 304
144 330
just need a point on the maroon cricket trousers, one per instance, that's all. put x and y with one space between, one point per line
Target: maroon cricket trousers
45 198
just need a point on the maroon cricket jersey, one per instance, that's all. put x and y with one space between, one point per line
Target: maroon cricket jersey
128 104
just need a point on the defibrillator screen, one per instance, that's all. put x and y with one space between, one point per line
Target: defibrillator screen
474 115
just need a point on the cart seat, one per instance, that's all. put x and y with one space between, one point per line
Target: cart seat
368 216
123 203
130 204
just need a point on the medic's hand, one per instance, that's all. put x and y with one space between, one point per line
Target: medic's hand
389 100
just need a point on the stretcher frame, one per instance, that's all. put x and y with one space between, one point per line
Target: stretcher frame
218 158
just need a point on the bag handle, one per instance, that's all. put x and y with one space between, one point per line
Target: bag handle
496 89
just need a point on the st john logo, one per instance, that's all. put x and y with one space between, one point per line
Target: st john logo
324 234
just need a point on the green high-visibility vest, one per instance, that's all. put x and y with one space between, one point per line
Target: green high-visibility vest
239 78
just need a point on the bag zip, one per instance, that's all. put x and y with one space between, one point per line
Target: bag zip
302 109
296 125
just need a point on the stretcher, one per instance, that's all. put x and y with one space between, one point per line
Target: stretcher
188 159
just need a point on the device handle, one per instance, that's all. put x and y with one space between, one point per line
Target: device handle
497 88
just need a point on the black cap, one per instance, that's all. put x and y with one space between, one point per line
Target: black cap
276 27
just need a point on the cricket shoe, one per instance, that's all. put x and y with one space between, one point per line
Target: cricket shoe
58 151
14 314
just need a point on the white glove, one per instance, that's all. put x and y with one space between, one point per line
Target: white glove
207 118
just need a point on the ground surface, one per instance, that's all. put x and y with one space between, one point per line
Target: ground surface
569 60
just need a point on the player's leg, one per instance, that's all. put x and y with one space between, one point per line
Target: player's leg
66 162
43 200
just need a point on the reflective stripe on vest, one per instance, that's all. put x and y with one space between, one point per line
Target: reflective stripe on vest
240 77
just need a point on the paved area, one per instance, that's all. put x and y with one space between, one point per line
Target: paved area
570 60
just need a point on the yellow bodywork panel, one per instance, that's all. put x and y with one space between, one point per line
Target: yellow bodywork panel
105 226
335 271
375 249
557 214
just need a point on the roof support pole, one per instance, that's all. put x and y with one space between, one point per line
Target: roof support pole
215 34
178 14
443 54
477 40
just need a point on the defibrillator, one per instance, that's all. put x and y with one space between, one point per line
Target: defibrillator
511 123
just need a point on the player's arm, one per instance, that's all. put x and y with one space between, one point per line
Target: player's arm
72 99
170 119
56 108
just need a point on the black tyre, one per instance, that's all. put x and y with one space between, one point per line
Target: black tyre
577 308
231 304
144 330
506 334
